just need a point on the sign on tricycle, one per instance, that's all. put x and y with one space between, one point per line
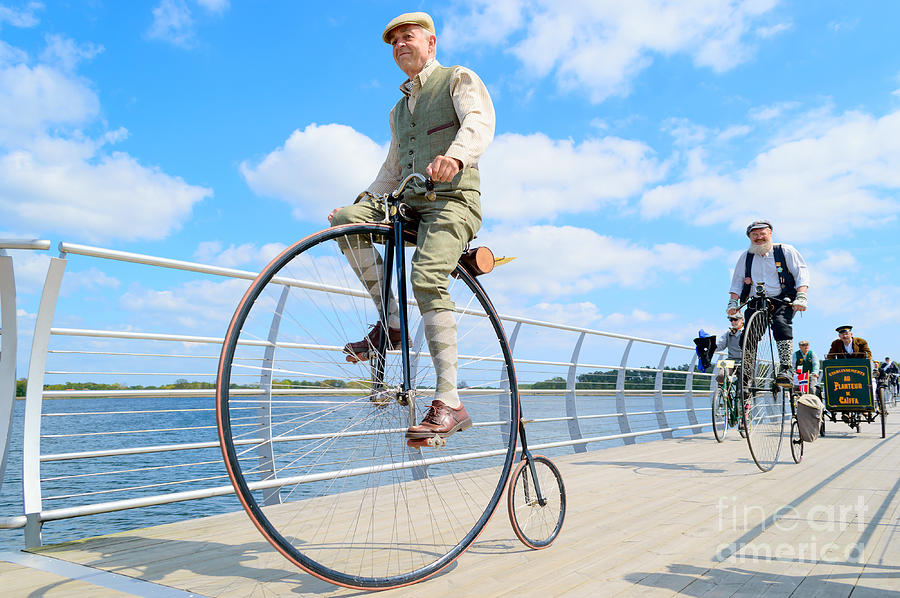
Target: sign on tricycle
848 385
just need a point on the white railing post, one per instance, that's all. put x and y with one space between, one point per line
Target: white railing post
8 341
571 407
689 395
503 397
621 407
31 445
658 404
265 452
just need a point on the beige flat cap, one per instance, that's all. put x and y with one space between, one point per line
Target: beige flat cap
409 18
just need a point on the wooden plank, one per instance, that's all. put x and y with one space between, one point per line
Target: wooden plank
646 519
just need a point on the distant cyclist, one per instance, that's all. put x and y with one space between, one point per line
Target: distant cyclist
890 368
731 341
783 272
847 346
805 359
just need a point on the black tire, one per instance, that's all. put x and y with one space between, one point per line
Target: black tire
796 442
536 524
321 465
719 413
881 409
763 402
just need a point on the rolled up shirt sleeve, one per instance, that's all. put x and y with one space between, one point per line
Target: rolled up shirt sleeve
797 266
737 278
477 120
388 177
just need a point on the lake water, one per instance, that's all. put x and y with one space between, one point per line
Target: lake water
180 420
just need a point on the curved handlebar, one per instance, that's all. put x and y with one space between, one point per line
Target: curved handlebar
429 186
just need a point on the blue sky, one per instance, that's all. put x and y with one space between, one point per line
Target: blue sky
635 140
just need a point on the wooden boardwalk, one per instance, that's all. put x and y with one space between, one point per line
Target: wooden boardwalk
674 517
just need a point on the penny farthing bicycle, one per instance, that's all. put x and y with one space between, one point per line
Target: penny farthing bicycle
315 446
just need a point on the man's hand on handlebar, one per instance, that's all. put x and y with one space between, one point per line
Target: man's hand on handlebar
443 169
799 303
333 212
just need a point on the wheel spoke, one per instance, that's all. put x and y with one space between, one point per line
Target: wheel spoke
764 401
321 467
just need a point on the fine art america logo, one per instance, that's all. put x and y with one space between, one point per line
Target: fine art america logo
815 534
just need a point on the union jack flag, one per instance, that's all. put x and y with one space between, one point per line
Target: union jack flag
803 380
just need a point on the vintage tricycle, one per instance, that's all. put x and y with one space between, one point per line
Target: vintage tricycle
848 396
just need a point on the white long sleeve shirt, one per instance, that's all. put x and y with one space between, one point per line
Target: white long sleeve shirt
474 109
765 270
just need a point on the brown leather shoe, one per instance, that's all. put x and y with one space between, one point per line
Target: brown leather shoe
440 421
362 350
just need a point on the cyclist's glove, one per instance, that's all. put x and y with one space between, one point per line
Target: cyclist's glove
800 299
732 304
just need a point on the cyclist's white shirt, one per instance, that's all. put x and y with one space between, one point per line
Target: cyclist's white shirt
474 109
764 270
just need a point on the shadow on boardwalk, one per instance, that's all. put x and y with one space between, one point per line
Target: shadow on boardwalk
689 580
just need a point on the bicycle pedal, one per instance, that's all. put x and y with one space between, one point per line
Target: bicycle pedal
383 397
433 442
356 357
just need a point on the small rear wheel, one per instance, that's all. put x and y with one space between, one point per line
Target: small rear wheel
796 442
720 415
536 520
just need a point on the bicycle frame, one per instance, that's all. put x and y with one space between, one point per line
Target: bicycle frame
526 456
395 252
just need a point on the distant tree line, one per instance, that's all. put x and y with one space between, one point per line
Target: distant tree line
596 380
182 384
634 380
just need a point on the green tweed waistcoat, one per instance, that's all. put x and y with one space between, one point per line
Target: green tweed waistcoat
428 132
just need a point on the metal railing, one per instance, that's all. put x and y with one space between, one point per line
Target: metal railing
177 459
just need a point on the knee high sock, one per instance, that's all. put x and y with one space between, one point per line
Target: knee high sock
369 268
440 332
785 348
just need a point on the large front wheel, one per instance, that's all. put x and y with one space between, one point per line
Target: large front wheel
314 444
763 412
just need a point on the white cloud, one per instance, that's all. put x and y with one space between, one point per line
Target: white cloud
581 261
600 47
773 111
66 53
310 172
174 23
30 270
217 6
572 178
827 176
733 132
317 169
54 178
34 98
211 252
24 17
99 197
87 280
772 31
21 313
199 306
